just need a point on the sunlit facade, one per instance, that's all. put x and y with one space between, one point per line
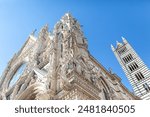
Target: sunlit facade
57 65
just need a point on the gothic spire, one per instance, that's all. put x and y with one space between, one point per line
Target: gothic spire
112 47
44 32
124 40
33 32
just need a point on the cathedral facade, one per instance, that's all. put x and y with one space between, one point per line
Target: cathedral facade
58 66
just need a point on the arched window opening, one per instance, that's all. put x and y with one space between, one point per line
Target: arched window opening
146 87
17 75
106 89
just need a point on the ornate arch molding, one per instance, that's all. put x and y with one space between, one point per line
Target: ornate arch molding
105 84
12 71
105 88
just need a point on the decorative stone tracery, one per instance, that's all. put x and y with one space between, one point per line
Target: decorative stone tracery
59 66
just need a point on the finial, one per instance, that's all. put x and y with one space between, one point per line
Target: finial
117 42
45 28
33 32
110 70
124 40
68 14
112 47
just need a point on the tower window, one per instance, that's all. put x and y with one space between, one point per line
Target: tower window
139 76
122 50
146 87
128 58
133 66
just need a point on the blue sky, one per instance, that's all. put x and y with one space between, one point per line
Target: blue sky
104 22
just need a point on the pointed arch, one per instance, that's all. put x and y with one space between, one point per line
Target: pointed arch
106 89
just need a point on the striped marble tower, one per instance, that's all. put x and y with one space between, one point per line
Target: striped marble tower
135 69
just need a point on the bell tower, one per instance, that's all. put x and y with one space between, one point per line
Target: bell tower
134 68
